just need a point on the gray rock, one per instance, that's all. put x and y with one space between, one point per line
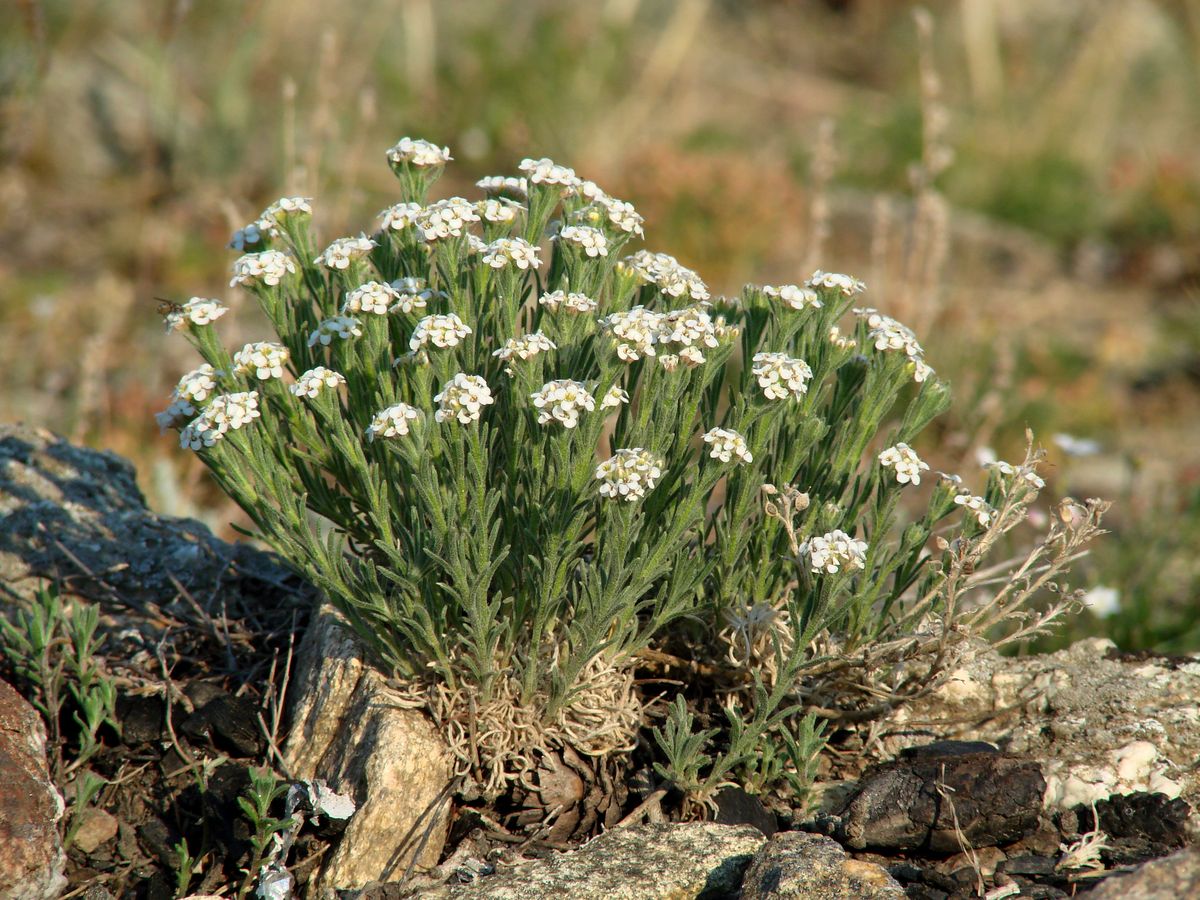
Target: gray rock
351 730
795 865
641 862
1172 878
31 854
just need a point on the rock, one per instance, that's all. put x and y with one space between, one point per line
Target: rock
31 854
348 728
1172 878
737 807
639 862
96 828
939 802
795 865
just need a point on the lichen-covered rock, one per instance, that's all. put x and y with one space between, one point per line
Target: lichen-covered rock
1172 878
31 854
348 729
642 862
795 865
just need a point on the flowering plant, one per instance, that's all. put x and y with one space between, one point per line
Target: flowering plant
523 464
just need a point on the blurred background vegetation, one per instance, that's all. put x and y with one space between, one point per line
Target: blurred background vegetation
1018 179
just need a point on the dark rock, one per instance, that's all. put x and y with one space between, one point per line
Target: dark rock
142 719
737 807
796 865
231 722
1172 878
948 748
1027 865
1153 817
31 854
937 803
158 840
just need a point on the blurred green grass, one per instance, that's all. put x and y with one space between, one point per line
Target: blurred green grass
136 136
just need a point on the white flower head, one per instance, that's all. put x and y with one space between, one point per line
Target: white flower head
264 358
727 444
498 210
614 397
284 208
562 401
411 293
400 216
591 241
392 422
833 551
589 189
572 302
691 326
462 399
845 284
841 341
269 267
904 460
372 297
794 296
1103 601
977 505
635 331
629 474
178 413
665 271
524 347
445 219
341 327
418 152
226 413
781 376
199 433
248 237
343 251
495 185
622 215
197 311
441 331
196 385
311 383
546 171
518 252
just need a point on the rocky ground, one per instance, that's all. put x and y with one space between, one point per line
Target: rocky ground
1052 776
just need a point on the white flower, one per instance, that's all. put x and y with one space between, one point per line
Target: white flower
636 331
341 327
629 474
498 184
794 296
591 240
691 326
1103 601
372 297
284 207
921 369
498 210
392 421
545 171
978 506
197 311
419 153
622 215
779 375
987 459
834 550
442 331
727 444
664 270
177 413
524 347
196 385
562 401
840 341
573 302
669 361
1074 446
200 432
445 219
692 356
400 216
844 283
269 267
310 383
250 236
907 464
591 191
502 251
344 251
226 413
412 294
264 358
463 399
614 397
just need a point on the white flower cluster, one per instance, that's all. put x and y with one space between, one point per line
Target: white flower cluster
692 328
344 251
1028 474
727 444
636 331
621 214
269 267
888 334
794 295
591 240
494 185
311 382
664 271
517 251
781 376
341 327
445 219
283 208
846 285
546 171
572 302
226 413
562 401
441 331
977 505
194 387
589 189
524 347
418 153
907 464
614 397
372 297
498 210
392 421
839 340
833 551
264 358
197 311
629 474
462 399
400 216
411 293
